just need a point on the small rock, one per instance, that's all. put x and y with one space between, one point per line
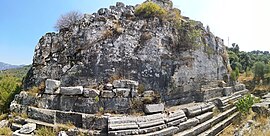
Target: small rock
3 123
108 87
51 86
28 128
122 92
62 133
120 5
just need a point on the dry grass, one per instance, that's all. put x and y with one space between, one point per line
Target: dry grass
5 131
229 131
35 90
216 111
3 116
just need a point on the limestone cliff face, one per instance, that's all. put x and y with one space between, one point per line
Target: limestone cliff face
115 43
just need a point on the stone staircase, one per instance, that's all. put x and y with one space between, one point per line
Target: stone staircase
183 120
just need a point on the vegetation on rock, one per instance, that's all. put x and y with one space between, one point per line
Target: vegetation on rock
68 19
245 103
150 9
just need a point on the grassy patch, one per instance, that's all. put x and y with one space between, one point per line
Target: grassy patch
6 131
149 10
44 131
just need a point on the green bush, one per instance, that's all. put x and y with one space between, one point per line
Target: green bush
9 86
244 104
150 9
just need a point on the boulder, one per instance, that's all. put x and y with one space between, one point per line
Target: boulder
153 108
77 90
28 128
62 133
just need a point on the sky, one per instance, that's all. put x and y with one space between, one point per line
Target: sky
24 22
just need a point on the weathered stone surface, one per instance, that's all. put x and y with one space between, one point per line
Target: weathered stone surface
69 117
239 87
116 105
227 91
94 122
175 115
122 92
86 105
67 102
206 116
49 102
28 128
88 92
4 123
261 108
125 84
41 114
188 124
51 86
107 94
71 90
108 86
18 108
153 108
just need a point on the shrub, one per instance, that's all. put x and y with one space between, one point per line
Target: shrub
5 131
150 9
244 104
9 86
68 19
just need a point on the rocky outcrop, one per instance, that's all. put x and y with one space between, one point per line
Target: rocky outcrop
115 43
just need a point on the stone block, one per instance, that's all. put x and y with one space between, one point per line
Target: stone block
261 108
28 128
134 93
153 108
204 117
122 92
88 92
239 87
69 117
41 114
193 110
49 102
125 84
77 90
94 122
175 115
152 129
188 124
107 94
108 86
51 86
176 122
86 105
67 102
227 91
116 105
151 120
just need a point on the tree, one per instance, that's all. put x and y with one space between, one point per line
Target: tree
259 71
66 20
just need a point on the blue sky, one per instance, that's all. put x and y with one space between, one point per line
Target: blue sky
23 22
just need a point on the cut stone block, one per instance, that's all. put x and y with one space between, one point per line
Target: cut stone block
51 86
77 90
125 84
204 117
153 108
107 94
41 114
69 117
94 122
188 124
88 92
227 91
28 128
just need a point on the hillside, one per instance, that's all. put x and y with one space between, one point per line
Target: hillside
4 66
18 72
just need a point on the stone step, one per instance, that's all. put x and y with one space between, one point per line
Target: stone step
198 109
164 132
194 131
218 128
241 92
204 117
